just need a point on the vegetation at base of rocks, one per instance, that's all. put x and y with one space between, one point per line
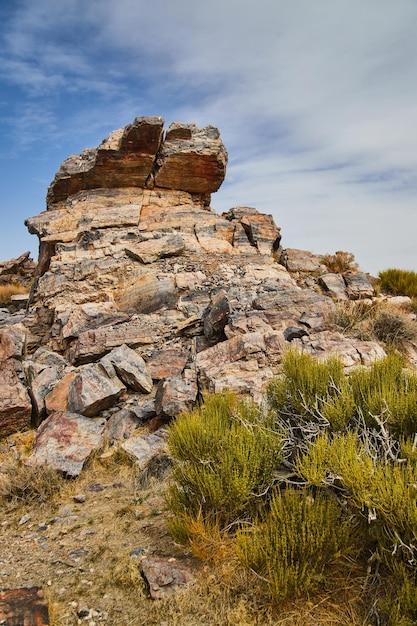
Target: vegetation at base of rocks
398 282
11 289
227 452
340 262
342 488
388 324
21 484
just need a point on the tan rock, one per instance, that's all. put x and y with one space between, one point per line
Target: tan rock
15 404
57 399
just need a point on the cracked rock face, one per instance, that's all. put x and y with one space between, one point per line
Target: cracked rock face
144 296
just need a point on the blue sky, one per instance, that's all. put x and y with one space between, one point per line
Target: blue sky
316 103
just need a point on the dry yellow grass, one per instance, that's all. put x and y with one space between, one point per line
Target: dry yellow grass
12 289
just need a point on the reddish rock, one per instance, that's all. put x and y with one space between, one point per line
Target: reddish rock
92 391
165 576
175 395
23 607
130 368
124 159
57 399
12 339
167 362
65 440
15 404
196 164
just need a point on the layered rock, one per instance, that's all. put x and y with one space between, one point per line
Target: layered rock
145 296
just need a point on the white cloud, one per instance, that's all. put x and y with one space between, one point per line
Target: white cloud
315 100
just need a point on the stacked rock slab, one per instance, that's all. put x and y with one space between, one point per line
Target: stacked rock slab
144 295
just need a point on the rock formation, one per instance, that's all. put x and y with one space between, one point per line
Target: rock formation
144 295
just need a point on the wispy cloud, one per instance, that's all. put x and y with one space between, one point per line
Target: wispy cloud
315 100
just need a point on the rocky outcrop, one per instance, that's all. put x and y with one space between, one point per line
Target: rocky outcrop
144 296
20 270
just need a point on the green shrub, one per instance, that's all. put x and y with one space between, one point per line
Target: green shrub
226 452
311 390
295 541
399 282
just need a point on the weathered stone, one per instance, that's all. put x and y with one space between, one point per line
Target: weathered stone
92 391
165 576
148 293
90 316
23 607
15 404
352 352
42 384
301 261
260 229
196 164
158 248
294 302
175 395
122 424
335 285
130 368
12 340
65 440
242 363
358 286
216 316
20 270
145 446
124 159
57 399
167 362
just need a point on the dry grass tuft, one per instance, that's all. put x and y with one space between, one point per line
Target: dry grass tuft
12 289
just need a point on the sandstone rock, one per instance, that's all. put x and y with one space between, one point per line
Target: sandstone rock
122 424
216 316
65 440
92 391
352 352
57 399
167 362
130 368
244 363
15 404
148 293
260 229
165 576
294 302
41 386
175 395
196 164
301 261
157 248
124 159
358 286
26 606
12 341
145 446
335 285
89 316
20 270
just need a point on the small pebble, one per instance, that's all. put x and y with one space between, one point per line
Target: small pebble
25 519
80 498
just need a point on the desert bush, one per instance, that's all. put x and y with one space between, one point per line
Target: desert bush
225 454
391 326
9 290
340 262
350 315
309 390
399 282
292 544
22 484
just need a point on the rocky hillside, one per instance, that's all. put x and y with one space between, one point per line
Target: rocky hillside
144 296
